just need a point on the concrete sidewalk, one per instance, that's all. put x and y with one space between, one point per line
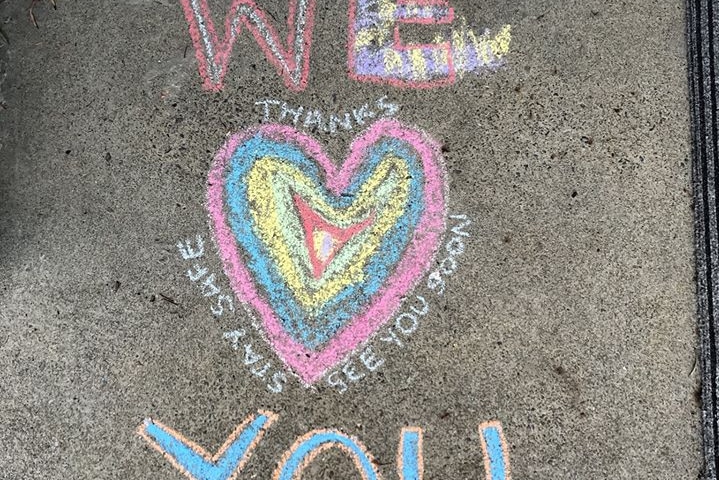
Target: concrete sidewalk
559 303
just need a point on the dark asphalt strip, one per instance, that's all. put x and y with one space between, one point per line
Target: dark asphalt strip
701 18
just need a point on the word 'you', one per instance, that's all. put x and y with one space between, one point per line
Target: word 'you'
198 464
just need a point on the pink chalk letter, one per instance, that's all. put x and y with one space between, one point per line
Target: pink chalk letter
291 60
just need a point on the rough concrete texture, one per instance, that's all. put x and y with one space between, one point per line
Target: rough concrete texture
570 318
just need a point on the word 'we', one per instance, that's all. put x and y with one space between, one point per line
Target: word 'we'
375 50
228 462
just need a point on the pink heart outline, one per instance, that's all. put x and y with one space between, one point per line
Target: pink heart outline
307 364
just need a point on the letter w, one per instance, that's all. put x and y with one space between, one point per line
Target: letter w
291 61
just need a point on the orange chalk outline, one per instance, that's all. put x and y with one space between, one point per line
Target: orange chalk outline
505 450
315 452
420 452
271 418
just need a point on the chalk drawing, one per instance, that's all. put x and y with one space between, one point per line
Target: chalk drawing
291 60
359 364
189 252
410 455
368 362
448 265
325 254
309 446
194 461
473 53
410 460
408 319
200 275
376 52
274 379
496 454
276 111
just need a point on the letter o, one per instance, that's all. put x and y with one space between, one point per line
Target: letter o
408 330
309 446
448 266
455 246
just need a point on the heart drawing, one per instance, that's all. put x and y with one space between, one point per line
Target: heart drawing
325 253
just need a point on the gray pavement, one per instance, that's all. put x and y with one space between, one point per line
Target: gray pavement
568 316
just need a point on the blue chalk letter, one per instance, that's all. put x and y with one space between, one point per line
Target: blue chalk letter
496 457
194 461
410 462
307 447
